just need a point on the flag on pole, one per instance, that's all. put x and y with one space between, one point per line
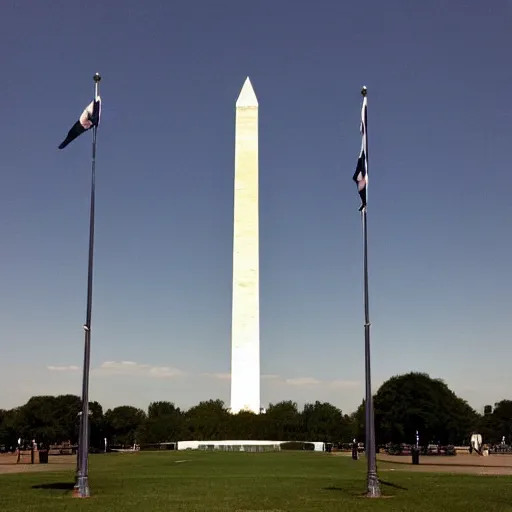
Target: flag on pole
90 117
361 173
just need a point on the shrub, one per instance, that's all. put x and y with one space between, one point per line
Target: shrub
297 445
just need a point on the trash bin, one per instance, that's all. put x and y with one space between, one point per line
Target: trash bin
43 456
415 456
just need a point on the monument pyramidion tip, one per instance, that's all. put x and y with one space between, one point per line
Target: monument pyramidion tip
247 97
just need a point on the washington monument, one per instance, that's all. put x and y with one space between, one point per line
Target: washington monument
245 327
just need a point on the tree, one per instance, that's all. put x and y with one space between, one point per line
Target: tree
123 424
282 422
65 409
323 422
415 402
160 409
208 420
403 404
11 428
245 425
97 425
498 424
163 424
358 424
38 421
3 414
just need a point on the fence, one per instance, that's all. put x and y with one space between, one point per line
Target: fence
253 448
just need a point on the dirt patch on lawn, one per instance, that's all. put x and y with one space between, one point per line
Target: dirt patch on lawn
55 463
462 463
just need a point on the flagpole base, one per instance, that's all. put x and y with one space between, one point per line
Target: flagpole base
81 489
373 485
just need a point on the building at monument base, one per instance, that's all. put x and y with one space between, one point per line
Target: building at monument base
240 446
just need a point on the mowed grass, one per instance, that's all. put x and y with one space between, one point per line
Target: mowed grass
283 481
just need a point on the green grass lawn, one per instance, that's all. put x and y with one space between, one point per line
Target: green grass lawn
283 481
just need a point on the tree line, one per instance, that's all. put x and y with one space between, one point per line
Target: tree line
403 405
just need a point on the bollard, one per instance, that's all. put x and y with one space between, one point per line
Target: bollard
43 456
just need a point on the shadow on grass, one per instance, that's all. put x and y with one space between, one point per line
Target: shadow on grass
350 490
56 486
442 464
394 486
339 489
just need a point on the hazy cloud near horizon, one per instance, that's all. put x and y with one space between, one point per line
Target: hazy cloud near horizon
134 369
115 383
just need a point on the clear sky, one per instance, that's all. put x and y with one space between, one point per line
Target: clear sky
440 129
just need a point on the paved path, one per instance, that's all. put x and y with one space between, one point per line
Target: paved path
55 463
462 463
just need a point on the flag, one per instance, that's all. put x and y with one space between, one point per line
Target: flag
90 117
361 173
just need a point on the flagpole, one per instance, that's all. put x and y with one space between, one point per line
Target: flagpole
372 478
82 482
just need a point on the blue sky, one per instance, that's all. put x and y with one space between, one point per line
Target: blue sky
439 123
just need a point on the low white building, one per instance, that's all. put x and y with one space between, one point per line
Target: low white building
241 446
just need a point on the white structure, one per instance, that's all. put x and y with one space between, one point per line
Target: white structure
245 328
476 443
242 446
231 446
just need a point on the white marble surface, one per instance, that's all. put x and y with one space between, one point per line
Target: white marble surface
245 332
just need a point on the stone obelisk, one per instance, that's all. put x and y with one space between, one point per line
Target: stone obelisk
245 328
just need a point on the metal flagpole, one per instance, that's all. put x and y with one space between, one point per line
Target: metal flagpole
372 478
82 481
79 416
